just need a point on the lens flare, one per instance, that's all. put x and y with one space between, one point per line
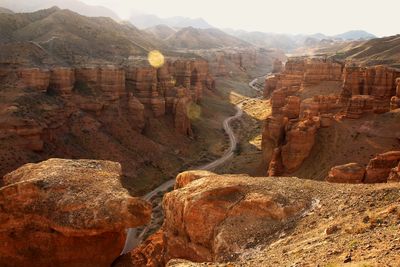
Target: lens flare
156 59
194 111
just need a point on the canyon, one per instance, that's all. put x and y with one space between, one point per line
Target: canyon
44 110
217 152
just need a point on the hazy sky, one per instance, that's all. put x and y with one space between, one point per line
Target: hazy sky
380 17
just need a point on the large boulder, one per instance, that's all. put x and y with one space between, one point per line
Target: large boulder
351 173
66 213
202 219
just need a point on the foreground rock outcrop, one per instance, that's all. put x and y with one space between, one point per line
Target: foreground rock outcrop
202 218
66 213
271 221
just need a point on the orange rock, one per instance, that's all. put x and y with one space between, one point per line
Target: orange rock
378 82
272 136
394 175
352 173
200 218
292 108
317 70
358 105
278 101
33 78
185 178
62 81
395 101
300 138
275 167
66 212
380 167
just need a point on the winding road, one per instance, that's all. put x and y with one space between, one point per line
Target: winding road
132 238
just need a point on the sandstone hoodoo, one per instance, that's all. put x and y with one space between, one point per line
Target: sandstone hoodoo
66 213
306 96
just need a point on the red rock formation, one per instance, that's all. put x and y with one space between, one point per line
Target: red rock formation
394 175
66 213
379 168
187 177
94 106
137 109
317 70
358 105
201 217
320 104
352 173
300 138
275 167
181 111
278 101
353 81
292 108
395 101
303 71
33 78
378 82
62 81
326 120
150 253
270 85
272 136
28 129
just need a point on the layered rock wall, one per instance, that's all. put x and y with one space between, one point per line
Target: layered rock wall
369 89
41 106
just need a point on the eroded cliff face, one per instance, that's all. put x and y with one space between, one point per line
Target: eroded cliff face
66 213
298 111
76 112
300 72
369 89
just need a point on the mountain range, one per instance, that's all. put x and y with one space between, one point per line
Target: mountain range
73 5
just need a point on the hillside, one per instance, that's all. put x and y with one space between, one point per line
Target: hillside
143 21
74 5
372 52
191 38
5 10
355 35
161 31
70 38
